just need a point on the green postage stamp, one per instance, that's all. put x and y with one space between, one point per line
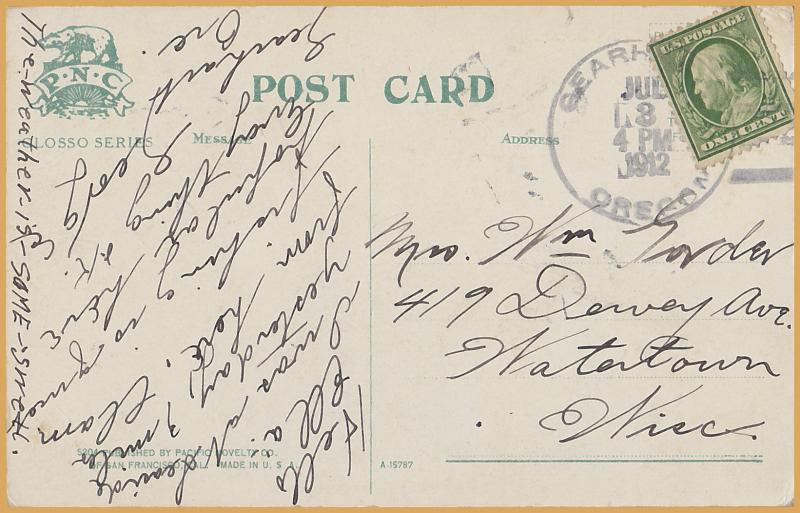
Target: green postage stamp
726 83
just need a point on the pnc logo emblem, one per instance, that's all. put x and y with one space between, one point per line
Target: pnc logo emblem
86 79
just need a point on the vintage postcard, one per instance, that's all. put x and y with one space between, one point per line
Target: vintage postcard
399 256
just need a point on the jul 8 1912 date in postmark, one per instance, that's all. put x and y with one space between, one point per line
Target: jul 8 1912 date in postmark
725 83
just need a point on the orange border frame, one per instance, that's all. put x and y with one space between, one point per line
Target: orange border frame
4 506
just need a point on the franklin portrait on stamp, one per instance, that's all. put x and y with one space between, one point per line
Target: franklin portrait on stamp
727 81
725 85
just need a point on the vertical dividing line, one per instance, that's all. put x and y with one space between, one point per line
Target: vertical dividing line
370 316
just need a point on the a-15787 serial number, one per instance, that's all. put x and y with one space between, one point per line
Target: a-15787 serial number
397 464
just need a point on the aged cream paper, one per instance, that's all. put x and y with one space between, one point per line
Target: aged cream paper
386 256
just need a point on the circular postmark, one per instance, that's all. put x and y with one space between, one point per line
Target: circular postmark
622 151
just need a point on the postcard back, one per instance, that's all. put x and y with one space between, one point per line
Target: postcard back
446 256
